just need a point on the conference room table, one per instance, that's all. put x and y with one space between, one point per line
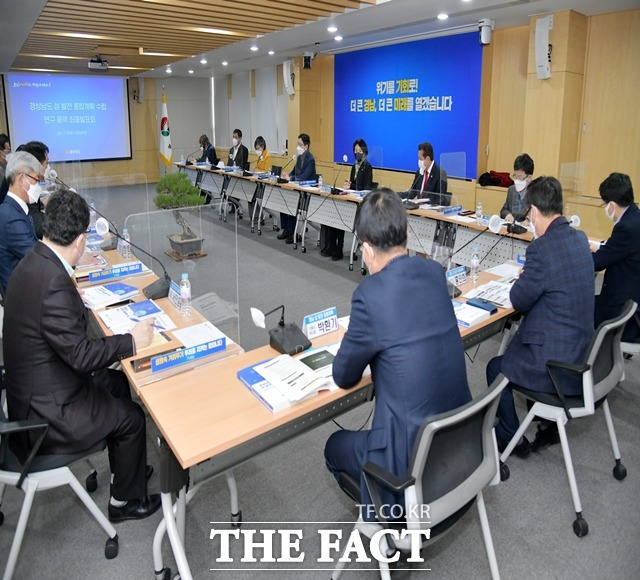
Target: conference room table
430 232
210 422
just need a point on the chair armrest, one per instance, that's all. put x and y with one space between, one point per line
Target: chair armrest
17 427
553 366
387 479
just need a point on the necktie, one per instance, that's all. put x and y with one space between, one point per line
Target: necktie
424 181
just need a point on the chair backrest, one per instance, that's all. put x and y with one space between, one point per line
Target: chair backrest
605 355
454 456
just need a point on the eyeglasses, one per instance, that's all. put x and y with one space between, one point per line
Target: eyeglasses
35 179
519 177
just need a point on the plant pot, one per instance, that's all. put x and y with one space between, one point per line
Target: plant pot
186 248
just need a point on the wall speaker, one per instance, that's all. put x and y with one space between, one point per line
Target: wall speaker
543 66
485 26
287 76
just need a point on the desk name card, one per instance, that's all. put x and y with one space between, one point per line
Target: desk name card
174 295
117 272
320 323
457 276
184 355
454 209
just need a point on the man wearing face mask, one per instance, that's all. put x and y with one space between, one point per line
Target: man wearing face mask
515 205
57 373
429 178
416 355
620 256
555 293
238 157
17 234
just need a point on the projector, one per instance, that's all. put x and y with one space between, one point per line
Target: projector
98 63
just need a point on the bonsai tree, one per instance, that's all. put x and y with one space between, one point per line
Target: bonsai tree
175 190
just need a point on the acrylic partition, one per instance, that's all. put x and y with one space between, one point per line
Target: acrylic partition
571 178
194 241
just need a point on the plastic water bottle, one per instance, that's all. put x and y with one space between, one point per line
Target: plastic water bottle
320 182
92 217
185 295
182 159
479 212
126 246
475 264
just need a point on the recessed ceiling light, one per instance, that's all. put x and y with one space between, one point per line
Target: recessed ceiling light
271 52
254 48
169 71
224 63
338 38
332 29
190 71
203 60
442 16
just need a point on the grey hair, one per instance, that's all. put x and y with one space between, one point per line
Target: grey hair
21 162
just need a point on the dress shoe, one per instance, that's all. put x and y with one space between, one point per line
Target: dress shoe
522 450
284 234
337 256
135 509
326 252
289 240
545 437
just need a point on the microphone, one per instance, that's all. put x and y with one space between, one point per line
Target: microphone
515 228
281 179
334 189
574 221
186 161
285 338
495 223
155 290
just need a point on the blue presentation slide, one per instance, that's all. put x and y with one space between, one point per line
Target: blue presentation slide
395 97
80 118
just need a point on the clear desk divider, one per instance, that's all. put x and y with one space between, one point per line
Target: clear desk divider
194 241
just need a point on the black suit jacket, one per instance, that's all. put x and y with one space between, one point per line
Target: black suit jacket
620 257
49 359
241 158
363 179
209 154
437 182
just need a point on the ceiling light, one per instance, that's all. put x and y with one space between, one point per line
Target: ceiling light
190 71
338 38
213 31
254 48
203 60
271 52
442 16
82 35
51 56
37 69
143 52
127 67
224 63
169 71
332 29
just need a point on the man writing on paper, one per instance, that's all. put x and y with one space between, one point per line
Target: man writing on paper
620 256
54 371
555 293
416 354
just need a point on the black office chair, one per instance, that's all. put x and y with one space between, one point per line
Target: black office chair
602 370
454 458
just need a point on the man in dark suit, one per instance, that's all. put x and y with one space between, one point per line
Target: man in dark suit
54 371
429 178
515 204
17 234
620 256
238 157
416 354
555 292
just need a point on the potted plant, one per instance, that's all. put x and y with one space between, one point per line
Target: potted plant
175 190
187 244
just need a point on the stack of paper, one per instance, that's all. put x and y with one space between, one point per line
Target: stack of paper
101 296
122 320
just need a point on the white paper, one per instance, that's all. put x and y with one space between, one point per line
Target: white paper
463 218
506 270
496 292
200 334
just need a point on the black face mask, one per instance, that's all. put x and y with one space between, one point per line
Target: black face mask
359 156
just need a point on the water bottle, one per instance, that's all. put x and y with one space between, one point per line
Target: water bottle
126 247
92 217
320 182
185 295
479 212
182 159
475 264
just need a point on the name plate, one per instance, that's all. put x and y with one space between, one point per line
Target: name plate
320 323
163 362
522 258
117 272
174 295
454 209
457 276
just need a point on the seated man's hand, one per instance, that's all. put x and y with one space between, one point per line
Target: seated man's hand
347 184
508 218
89 260
285 176
142 333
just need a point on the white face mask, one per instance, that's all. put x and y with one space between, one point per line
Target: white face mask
234 141
300 150
34 191
421 165
612 215
520 184
533 225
